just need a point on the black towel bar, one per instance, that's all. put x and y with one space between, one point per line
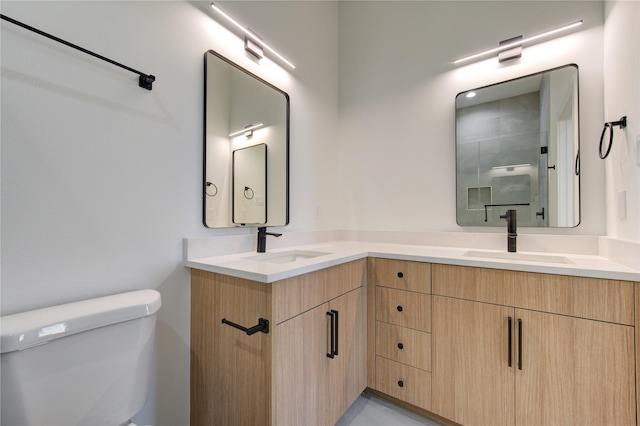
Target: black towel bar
145 80
263 326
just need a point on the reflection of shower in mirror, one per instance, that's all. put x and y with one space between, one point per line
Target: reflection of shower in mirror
517 143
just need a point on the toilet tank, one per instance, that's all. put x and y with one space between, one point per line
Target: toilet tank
81 363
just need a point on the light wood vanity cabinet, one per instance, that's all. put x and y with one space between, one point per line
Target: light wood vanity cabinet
400 330
638 352
284 377
475 346
532 349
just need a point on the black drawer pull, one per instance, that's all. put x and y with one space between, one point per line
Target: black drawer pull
332 336
519 344
510 344
399 308
400 383
400 275
400 346
335 352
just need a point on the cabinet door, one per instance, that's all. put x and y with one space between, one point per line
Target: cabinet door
348 369
471 377
310 387
574 372
301 369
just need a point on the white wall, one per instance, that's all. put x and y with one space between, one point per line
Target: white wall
622 97
397 91
101 180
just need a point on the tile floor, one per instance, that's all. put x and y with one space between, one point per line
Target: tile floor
369 410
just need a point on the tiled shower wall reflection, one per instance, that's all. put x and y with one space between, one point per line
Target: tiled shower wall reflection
498 154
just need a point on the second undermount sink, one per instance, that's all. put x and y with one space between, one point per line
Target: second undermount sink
286 256
528 257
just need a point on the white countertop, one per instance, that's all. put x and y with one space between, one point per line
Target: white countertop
253 266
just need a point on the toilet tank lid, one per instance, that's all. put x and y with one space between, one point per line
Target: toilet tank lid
32 328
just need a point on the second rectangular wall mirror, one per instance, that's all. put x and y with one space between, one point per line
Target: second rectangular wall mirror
246 148
517 147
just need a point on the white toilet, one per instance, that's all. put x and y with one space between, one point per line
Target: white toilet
82 363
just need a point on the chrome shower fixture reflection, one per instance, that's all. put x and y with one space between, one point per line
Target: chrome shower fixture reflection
251 35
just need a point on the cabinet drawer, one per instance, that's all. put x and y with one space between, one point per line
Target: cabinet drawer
592 298
404 345
295 295
401 274
404 308
406 383
477 284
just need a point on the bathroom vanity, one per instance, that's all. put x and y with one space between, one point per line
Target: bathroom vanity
471 341
289 375
537 349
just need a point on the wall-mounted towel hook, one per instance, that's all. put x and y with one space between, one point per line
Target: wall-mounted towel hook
213 187
248 193
622 123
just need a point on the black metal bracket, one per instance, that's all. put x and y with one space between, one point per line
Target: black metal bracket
262 326
145 80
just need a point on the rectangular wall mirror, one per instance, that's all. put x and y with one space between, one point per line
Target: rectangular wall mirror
246 148
517 147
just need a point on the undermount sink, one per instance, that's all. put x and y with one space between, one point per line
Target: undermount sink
286 256
529 257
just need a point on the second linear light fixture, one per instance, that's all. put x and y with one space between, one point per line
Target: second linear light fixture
512 48
252 42
247 130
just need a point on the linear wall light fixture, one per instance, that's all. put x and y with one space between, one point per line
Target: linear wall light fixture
252 47
248 130
515 43
253 38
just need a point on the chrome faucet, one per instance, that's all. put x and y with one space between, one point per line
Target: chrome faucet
510 216
262 238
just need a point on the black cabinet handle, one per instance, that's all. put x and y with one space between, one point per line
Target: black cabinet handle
400 346
400 383
263 326
333 334
519 344
400 275
510 342
399 308
335 352
332 340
